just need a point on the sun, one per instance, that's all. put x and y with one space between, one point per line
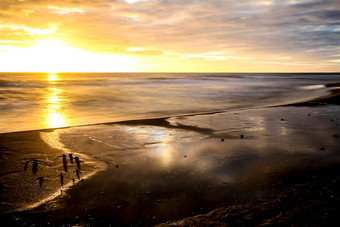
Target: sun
53 56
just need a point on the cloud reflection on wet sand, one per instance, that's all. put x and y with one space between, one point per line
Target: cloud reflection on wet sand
170 171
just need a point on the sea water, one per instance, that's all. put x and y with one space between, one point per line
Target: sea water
30 101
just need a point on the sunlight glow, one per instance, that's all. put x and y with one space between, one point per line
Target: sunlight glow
52 77
54 114
56 120
53 56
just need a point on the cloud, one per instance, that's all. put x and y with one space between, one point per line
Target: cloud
248 31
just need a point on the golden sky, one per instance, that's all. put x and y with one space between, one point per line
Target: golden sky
169 36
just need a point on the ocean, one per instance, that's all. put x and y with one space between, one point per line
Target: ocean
30 101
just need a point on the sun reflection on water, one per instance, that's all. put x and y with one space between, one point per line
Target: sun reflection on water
54 113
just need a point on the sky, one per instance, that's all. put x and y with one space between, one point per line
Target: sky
169 36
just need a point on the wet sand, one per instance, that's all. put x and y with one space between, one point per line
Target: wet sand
269 166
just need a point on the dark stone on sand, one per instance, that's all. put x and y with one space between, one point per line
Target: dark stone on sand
185 156
282 119
242 136
308 114
117 166
222 140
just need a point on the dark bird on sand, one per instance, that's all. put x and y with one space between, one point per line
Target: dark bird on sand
41 180
26 165
77 173
35 167
64 162
61 179
77 162
71 158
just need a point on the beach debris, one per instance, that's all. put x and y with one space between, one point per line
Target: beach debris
335 135
185 156
64 162
117 166
77 162
41 180
35 167
282 119
71 158
61 179
222 140
242 136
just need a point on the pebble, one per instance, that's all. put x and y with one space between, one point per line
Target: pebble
222 140
242 136
117 166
